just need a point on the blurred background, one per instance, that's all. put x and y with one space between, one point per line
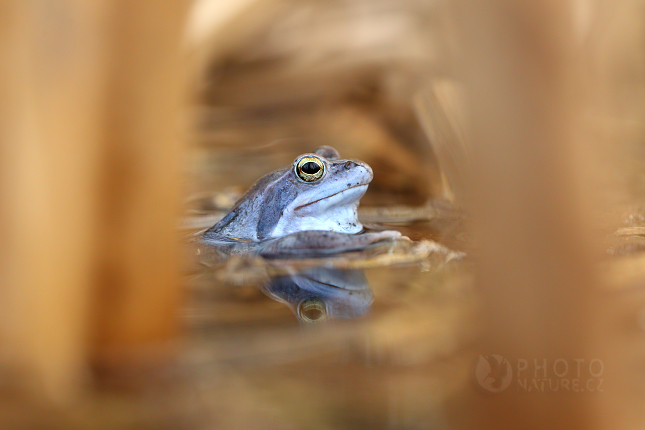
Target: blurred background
506 139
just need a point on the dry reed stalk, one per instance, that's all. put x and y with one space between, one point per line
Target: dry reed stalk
527 82
140 183
90 156
53 75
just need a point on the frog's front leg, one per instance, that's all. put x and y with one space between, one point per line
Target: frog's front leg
313 242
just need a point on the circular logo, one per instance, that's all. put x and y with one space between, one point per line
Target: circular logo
493 373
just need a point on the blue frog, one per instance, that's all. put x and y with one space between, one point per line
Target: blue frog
307 208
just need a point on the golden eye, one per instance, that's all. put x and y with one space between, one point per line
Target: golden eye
310 169
312 310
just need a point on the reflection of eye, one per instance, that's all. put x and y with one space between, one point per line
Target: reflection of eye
312 310
310 169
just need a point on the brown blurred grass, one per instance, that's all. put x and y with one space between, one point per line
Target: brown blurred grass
549 134
91 154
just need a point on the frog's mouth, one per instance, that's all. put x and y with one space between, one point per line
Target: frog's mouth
346 196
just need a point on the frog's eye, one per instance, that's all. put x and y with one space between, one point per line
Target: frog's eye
310 169
312 310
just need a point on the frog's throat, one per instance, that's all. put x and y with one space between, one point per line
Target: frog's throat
341 219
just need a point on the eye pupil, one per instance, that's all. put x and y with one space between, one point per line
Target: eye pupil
310 168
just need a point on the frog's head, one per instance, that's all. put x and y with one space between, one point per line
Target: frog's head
319 191
322 193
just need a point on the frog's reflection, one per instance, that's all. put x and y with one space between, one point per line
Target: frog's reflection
318 294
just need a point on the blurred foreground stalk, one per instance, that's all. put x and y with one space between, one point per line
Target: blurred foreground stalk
90 154
534 182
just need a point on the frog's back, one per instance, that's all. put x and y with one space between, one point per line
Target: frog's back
254 213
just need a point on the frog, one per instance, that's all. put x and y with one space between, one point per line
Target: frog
307 208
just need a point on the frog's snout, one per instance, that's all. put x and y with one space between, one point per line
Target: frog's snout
368 168
363 168
355 172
